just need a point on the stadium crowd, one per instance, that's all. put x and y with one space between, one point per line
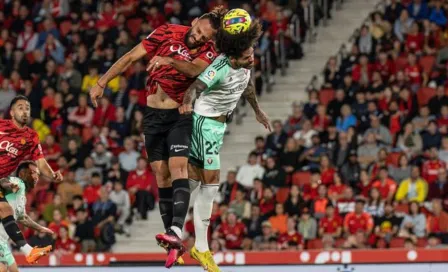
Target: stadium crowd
53 52
361 164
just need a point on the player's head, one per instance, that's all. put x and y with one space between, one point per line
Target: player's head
29 173
20 109
205 27
239 47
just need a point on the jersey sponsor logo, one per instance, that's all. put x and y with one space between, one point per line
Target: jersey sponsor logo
3 133
210 75
238 88
179 49
9 147
23 141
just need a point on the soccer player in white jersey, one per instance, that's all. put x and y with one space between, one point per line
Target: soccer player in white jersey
218 90
27 177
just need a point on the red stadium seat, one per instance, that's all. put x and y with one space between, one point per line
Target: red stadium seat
397 243
401 62
301 178
282 195
65 27
427 62
381 243
134 26
315 244
393 158
30 58
326 95
422 242
424 95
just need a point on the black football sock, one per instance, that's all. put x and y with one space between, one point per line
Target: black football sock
166 206
13 231
181 201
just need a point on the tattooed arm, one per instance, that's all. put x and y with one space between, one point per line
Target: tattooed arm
28 222
190 95
251 97
7 186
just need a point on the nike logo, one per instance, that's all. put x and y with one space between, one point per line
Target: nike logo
3 133
18 232
163 214
178 150
180 202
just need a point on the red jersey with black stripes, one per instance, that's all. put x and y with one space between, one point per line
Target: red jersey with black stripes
169 41
17 144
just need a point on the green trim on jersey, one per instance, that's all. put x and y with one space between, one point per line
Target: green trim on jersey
216 72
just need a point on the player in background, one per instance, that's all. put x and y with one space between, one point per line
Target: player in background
27 177
17 143
179 54
218 90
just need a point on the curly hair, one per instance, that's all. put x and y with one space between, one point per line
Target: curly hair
233 45
215 16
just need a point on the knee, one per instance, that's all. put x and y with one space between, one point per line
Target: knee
178 168
211 177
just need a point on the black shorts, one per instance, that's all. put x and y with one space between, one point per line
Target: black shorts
167 133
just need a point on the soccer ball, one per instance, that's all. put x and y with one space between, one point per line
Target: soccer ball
236 21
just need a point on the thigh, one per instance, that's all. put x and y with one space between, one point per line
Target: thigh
207 140
179 137
156 148
210 176
13 267
6 256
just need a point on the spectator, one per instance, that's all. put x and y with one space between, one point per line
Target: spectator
141 185
375 203
40 239
58 205
385 185
249 171
84 233
321 120
240 206
439 188
418 10
289 158
279 220
351 169
310 108
412 189
261 242
291 239
274 175
430 168
74 156
403 171
65 245
27 40
267 203
72 76
346 120
431 137
437 222
232 232
57 222
332 75
403 25
307 225
53 49
104 212
128 158
331 224
365 41
387 226
346 204
311 156
91 79
253 224
52 151
436 102
335 105
259 147
104 113
82 114
227 189
336 190
410 142
120 124
276 140
319 202
121 199
437 15
92 191
340 152
368 151
101 157
304 135
295 202
116 173
381 133
84 175
422 120
68 189
414 223
358 220
443 152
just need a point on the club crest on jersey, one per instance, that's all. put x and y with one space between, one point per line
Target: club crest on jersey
209 160
210 75
9 147
23 141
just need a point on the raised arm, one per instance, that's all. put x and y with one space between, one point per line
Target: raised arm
190 95
117 68
251 97
190 69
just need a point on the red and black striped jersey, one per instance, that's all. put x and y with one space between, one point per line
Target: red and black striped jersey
17 144
169 41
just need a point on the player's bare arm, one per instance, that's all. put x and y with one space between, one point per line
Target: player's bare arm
6 185
117 68
30 223
46 170
190 69
251 97
191 94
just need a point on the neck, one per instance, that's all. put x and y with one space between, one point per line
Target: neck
18 124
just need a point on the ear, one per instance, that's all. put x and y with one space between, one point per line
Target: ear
194 21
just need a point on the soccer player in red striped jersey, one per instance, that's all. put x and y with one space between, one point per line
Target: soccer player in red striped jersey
17 143
178 55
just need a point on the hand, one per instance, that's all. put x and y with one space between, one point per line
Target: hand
156 62
185 109
46 230
57 176
263 119
9 186
95 93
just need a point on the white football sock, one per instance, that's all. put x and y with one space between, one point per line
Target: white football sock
202 212
26 249
177 230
